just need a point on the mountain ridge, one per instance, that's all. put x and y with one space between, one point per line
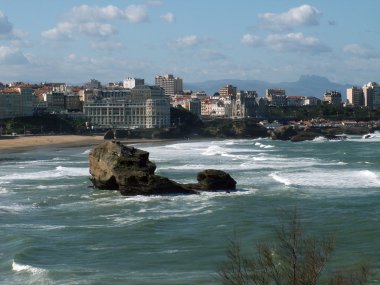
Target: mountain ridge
306 85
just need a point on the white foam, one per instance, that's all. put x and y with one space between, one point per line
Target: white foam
332 179
59 171
214 150
280 179
26 268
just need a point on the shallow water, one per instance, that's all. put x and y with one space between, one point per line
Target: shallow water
56 230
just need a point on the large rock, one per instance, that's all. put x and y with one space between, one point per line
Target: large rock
211 179
114 166
283 133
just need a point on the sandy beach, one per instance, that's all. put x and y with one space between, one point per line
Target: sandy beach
25 143
9 144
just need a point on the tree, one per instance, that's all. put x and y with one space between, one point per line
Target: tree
296 258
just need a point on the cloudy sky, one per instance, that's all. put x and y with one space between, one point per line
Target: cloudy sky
272 40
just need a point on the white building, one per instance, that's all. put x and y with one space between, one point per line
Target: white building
144 107
371 95
130 82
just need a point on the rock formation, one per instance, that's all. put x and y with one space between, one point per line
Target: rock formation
297 134
114 166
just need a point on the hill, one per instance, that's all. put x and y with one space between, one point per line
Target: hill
306 85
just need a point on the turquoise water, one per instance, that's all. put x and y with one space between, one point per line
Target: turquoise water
54 229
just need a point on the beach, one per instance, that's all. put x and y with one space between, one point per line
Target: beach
12 144
25 143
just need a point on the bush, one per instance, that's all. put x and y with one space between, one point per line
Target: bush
295 258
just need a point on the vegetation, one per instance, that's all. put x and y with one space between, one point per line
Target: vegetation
325 111
42 124
184 120
296 258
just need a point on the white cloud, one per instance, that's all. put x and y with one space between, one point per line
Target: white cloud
168 17
93 21
136 13
6 27
154 2
104 45
291 42
12 56
187 41
359 51
304 15
252 40
297 42
85 13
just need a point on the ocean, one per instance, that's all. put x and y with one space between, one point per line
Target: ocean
56 229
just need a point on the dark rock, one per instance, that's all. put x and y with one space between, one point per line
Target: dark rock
211 179
283 133
109 135
114 166
305 136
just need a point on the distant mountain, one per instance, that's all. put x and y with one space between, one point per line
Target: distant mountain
306 85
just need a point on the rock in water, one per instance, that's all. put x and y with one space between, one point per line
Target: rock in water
114 166
211 179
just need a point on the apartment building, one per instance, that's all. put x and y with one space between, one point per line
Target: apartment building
333 98
172 85
355 96
16 102
227 91
371 92
276 96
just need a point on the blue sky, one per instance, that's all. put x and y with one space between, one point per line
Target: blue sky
272 40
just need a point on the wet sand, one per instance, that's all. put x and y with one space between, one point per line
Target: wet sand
25 143
9 144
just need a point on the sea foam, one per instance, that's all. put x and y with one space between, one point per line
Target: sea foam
26 268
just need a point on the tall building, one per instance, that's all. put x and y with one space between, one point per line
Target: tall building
355 96
227 90
132 82
371 93
276 96
172 85
333 97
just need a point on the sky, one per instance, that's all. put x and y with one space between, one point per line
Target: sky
271 40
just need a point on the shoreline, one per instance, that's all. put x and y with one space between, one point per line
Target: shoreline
21 144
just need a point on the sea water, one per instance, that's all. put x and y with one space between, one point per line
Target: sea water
55 229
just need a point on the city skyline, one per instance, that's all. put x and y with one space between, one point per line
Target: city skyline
73 41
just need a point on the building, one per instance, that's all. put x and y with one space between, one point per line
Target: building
55 101
312 101
295 101
333 98
206 107
92 84
355 96
227 91
130 82
276 97
143 107
16 102
172 85
246 104
371 93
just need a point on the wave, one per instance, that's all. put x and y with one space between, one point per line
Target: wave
58 172
27 268
332 179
